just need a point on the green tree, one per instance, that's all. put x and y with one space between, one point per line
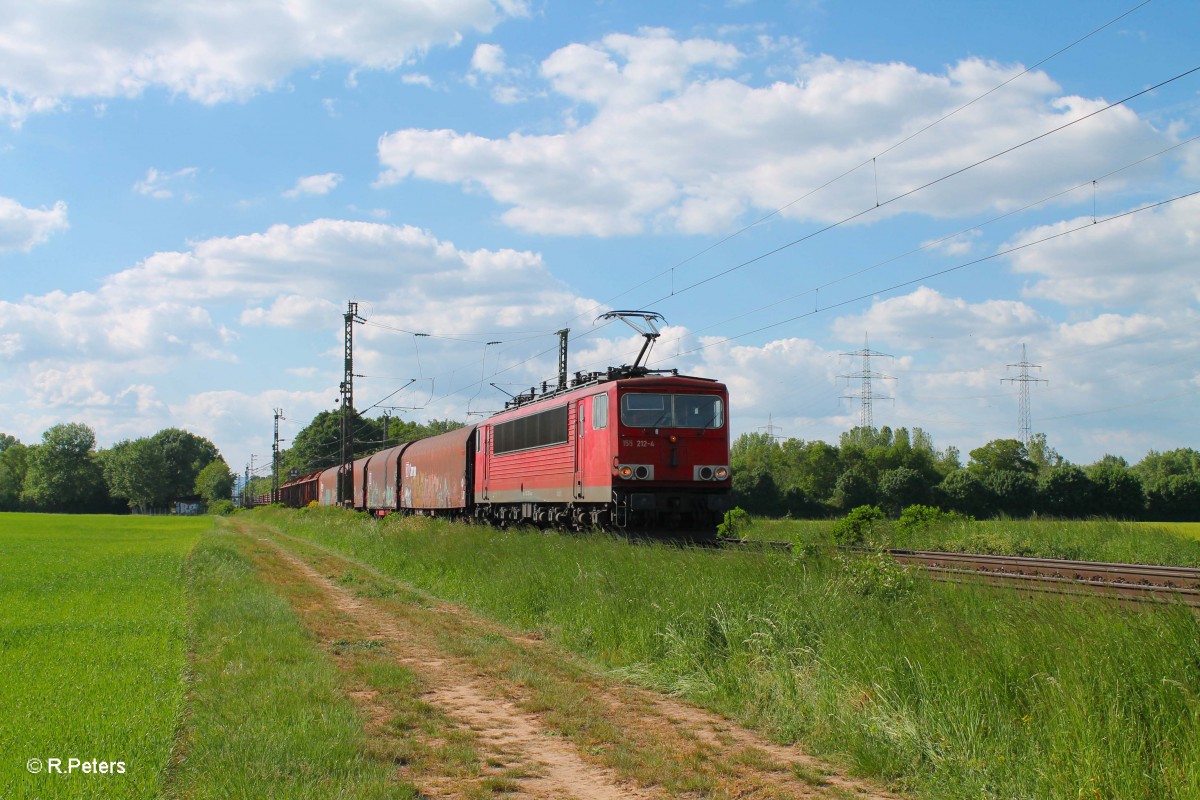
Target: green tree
1066 491
1175 498
1015 491
854 489
964 492
184 455
136 471
1001 454
1119 492
63 473
215 482
1170 479
902 487
757 492
13 458
814 467
1042 454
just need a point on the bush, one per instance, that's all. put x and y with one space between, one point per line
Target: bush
876 574
736 521
221 508
918 518
859 526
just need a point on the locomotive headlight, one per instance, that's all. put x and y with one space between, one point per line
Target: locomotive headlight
710 472
638 472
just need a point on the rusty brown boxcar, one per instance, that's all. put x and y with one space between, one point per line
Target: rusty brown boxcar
436 473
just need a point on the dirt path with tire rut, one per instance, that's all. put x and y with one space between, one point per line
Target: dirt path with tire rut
464 707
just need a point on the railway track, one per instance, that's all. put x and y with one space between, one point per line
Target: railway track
1132 581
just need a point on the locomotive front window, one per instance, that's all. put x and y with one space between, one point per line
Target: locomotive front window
672 411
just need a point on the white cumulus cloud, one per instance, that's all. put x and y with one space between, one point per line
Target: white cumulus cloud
160 185
212 53
314 185
1150 258
661 136
24 228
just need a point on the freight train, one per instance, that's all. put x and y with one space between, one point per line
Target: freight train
628 449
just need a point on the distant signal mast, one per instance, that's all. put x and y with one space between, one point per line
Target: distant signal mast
1024 378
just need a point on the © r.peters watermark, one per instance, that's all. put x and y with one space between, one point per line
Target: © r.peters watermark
74 766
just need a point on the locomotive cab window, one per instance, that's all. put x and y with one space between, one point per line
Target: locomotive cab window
672 411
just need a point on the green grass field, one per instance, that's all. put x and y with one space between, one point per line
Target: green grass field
949 691
93 646
151 643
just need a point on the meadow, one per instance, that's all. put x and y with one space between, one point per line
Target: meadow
152 643
93 646
949 691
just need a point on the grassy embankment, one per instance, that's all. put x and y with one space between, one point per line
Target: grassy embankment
952 691
1177 544
97 616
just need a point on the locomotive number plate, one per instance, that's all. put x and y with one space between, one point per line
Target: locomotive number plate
637 443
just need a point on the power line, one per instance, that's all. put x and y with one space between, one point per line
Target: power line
947 270
915 190
670 270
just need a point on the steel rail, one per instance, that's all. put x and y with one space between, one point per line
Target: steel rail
1144 582
1132 581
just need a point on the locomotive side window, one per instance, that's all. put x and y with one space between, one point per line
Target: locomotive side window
543 429
599 411
672 411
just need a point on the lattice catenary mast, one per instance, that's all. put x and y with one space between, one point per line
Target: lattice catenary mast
275 457
866 375
346 471
1024 378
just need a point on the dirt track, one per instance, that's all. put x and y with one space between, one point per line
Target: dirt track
495 713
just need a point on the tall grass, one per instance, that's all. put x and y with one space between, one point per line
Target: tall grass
954 691
93 637
1087 540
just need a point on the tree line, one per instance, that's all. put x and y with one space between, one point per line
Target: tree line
897 468
869 466
67 473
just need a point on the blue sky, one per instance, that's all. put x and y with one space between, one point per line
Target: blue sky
189 195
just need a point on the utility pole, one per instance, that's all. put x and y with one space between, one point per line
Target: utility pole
1024 378
866 375
346 471
275 458
246 487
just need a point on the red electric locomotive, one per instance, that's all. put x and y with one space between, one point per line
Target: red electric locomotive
632 452
629 449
